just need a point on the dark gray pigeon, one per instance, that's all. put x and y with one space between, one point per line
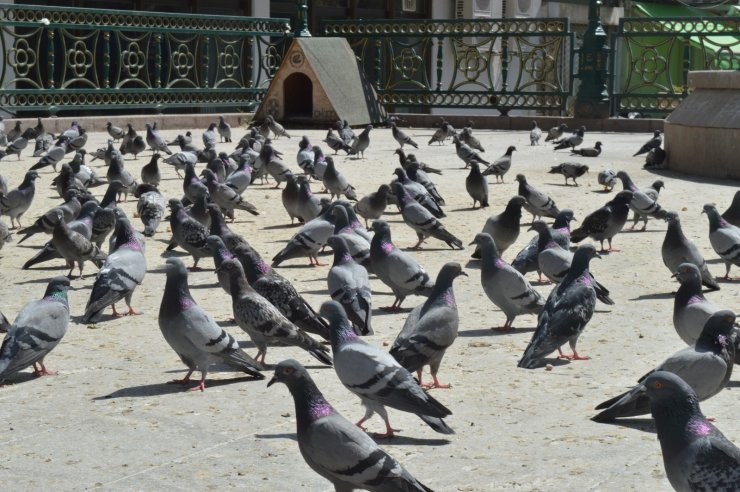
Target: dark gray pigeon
336 183
477 186
53 157
606 222
441 134
357 243
309 240
418 192
226 197
116 133
732 214
15 147
504 227
466 134
276 128
505 286
538 203
407 161
220 254
224 129
655 158
262 321
189 234
573 140
422 221
372 206
193 334
151 209
349 285
15 203
500 166
155 141
570 170
466 153
401 137
118 172
651 144
361 143
415 172
696 455
335 143
377 378
210 137
556 132
677 249
38 328
430 329
594 151
395 268
74 247
345 131
150 172
705 366
724 238
567 311
333 446
69 209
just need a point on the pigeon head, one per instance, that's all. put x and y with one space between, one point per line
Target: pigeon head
520 178
657 133
710 210
658 184
487 245
233 270
581 259
289 372
340 248
624 196
538 226
400 193
400 173
598 145
510 149
718 329
304 143
383 190
125 234
32 176
369 127
672 218
564 218
253 265
672 400
215 243
71 194
174 267
515 204
339 327
108 124
449 272
381 227
563 126
211 127
534 125
57 288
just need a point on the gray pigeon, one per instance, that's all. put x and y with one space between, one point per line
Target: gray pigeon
180 161
115 132
118 172
401 137
556 132
309 240
538 203
241 178
677 249
69 210
220 254
280 292
189 234
372 206
477 186
4 324
573 140
361 143
724 238
407 161
74 247
210 137
504 286
504 227
430 329
336 183
696 455
606 222
193 334
15 203
651 144
466 153
15 147
289 197
349 285
151 209
732 214
395 268
226 197
377 378
305 156
38 328
422 221
155 141
500 166
414 171
594 151
705 366
333 446
345 131
262 321
567 311
335 143
644 201
122 272
224 129
357 242
570 170
535 134
608 179
5 235
418 192
466 135
440 134
655 158
53 156
276 128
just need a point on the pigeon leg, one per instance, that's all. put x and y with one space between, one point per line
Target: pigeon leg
389 431
42 370
418 244
315 261
578 357
202 385
611 249
115 313
644 225
561 355
436 383
132 311
184 380
194 268
507 326
419 377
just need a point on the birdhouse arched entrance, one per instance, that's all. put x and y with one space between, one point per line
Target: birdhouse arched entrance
298 95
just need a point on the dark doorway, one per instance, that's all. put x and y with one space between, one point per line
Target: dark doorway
298 95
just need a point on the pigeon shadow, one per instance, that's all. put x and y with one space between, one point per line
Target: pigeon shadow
205 286
648 297
601 192
281 226
158 389
722 280
640 231
316 291
733 384
429 250
473 264
383 312
715 261
284 435
413 441
466 209
39 281
18 378
642 424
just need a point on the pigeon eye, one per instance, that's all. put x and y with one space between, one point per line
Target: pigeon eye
288 371
657 385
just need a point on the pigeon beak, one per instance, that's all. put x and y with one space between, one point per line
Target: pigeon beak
597 256
471 243
530 229
463 273
272 381
674 275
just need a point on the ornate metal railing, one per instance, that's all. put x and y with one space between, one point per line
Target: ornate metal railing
63 58
498 64
654 55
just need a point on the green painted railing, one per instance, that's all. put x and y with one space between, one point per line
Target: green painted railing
498 64
654 56
55 59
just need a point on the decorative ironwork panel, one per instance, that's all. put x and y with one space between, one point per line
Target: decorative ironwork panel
501 64
653 57
58 59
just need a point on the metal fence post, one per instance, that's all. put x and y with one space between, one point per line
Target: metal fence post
301 28
592 100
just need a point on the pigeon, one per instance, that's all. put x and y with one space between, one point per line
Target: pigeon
500 166
15 147
241 178
414 171
5 235
16 132
180 160
422 221
150 172
395 268
401 137
84 173
677 249
189 234
262 321
572 141
118 172
467 154
608 179
505 286
224 129
74 247
651 144
69 210
276 128
309 240
104 221
724 238
43 144
372 206
732 214
276 168
556 132
226 197
477 186
418 192
38 328
298 200
349 285
132 143
210 137
305 156
655 158
466 135
570 170
594 151
3 185
335 143
122 272
193 334
155 141
289 198
696 455
706 367
280 292
504 227
538 203
441 134
357 242
116 133
336 183
644 201
567 311
535 134
15 203
360 145
377 378
407 161
430 329
333 446
527 260
53 156
4 324
606 222
151 210
345 131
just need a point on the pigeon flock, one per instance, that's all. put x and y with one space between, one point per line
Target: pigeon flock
354 258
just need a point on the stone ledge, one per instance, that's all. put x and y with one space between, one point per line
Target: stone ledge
714 79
